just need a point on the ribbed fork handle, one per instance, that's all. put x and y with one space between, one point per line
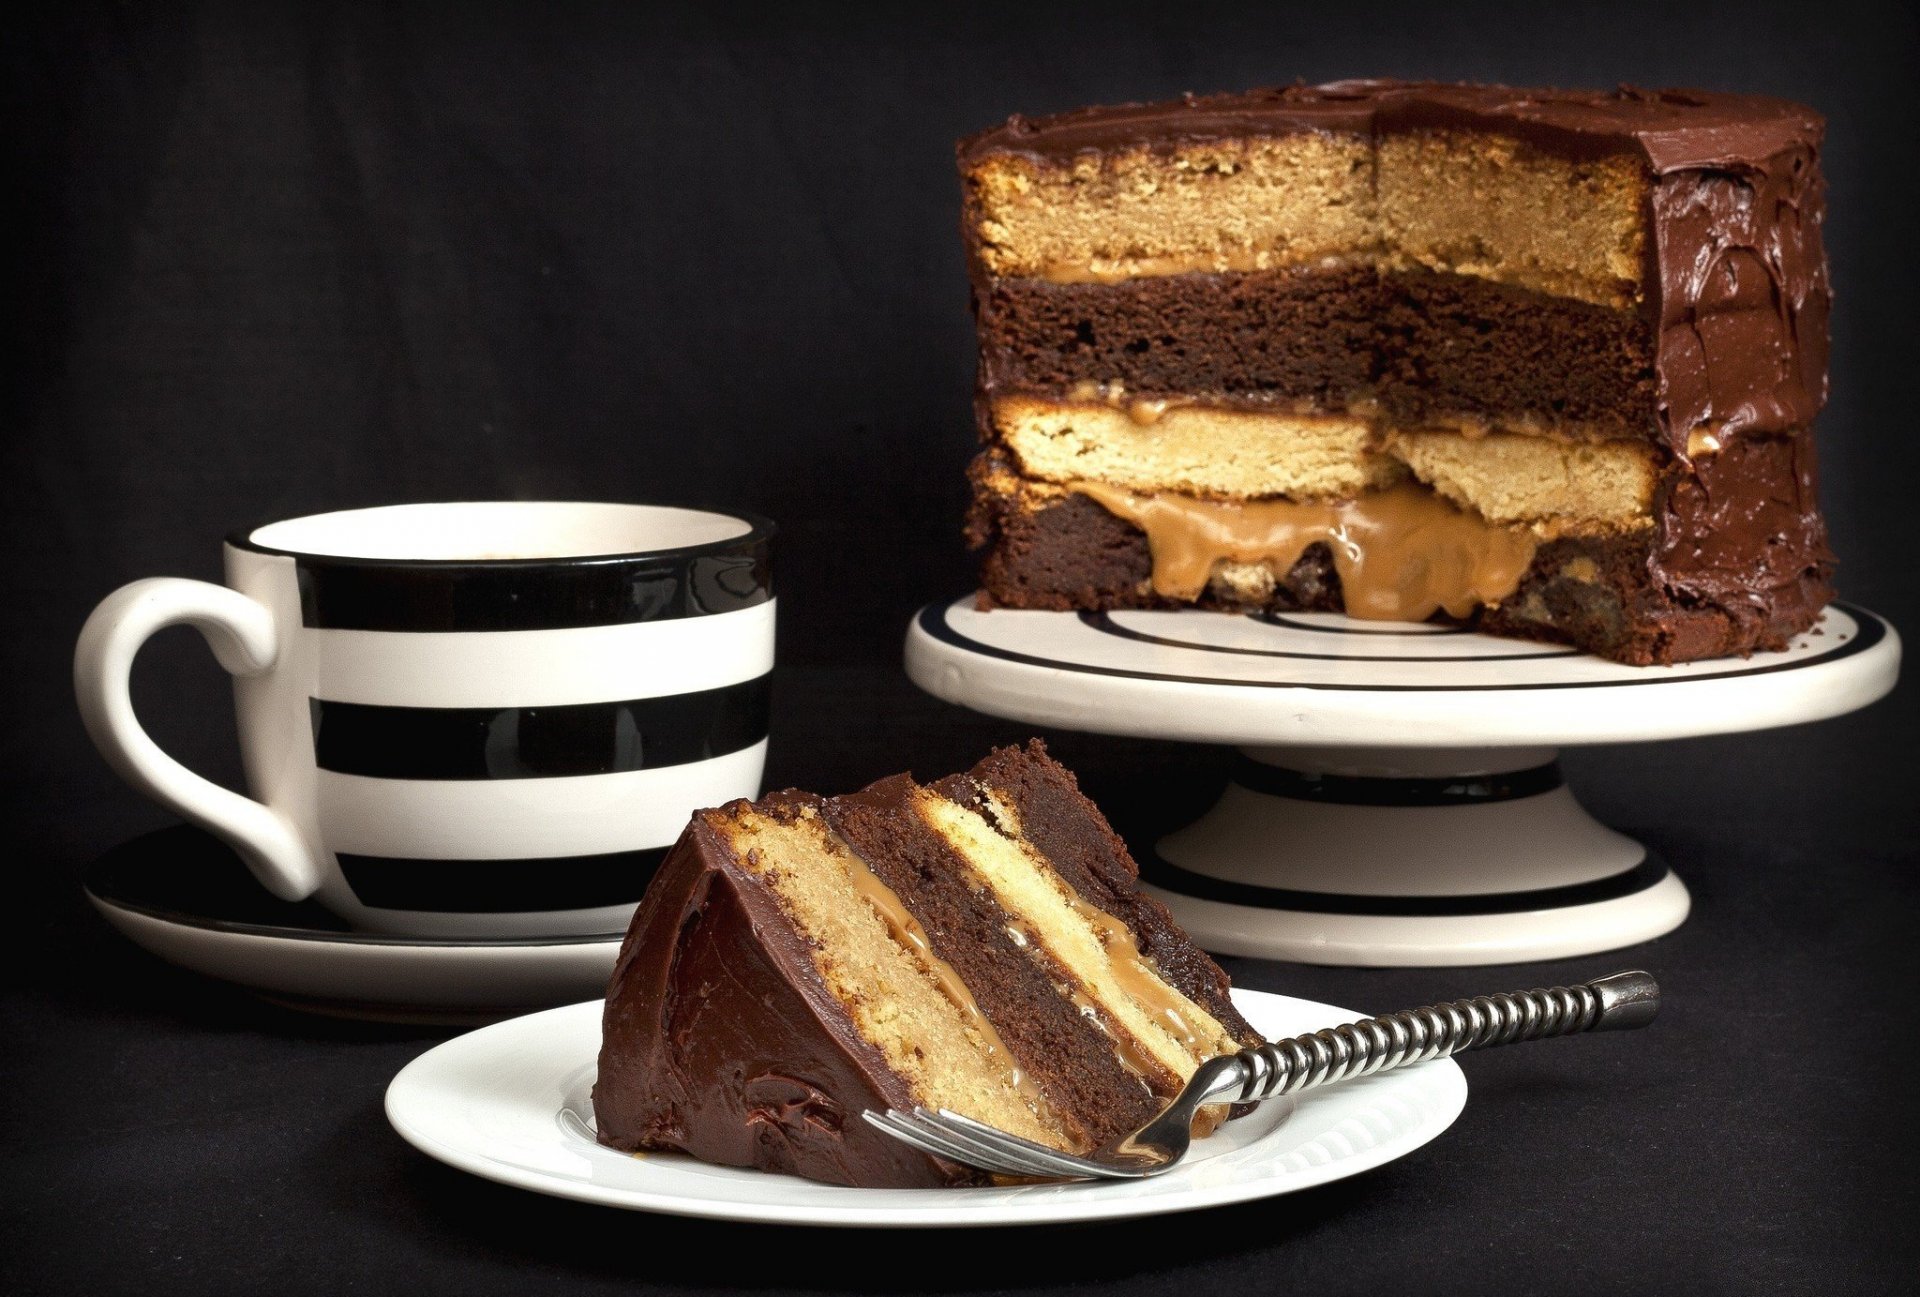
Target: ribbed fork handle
1381 1044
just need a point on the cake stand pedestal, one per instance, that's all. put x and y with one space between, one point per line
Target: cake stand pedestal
1396 800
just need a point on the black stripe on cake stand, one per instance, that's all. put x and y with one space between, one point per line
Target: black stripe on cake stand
722 576
1372 790
1106 625
540 884
539 742
1648 873
933 621
1427 631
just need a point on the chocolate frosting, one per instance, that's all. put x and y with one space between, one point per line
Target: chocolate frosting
1674 130
719 1038
1742 536
1735 294
1743 298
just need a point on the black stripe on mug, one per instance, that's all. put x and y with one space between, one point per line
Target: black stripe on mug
552 596
539 742
502 886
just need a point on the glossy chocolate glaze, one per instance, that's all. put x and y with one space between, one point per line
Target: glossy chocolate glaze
1743 297
1735 294
1743 535
1673 129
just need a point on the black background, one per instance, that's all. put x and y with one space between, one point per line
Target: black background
273 260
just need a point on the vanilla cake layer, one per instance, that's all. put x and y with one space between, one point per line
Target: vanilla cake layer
1259 203
1237 454
1491 207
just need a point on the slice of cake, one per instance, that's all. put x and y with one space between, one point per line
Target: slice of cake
1545 359
976 944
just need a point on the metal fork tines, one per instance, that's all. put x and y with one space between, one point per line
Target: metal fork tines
1290 1066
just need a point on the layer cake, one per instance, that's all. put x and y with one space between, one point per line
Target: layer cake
1547 361
976 944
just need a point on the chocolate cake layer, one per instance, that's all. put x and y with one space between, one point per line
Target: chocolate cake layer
1737 562
1306 339
1428 350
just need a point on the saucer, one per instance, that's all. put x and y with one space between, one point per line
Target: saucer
182 894
513 1103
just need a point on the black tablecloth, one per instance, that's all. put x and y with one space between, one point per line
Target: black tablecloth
171 1135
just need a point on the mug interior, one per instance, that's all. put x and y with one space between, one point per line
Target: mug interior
498 531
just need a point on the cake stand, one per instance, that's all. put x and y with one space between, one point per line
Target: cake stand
1396 799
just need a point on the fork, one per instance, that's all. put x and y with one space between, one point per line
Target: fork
1613 1003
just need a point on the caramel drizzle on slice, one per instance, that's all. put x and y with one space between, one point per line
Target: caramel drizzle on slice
1402 553
1137 975
908 933
1143 411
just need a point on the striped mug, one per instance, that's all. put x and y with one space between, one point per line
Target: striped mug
464 719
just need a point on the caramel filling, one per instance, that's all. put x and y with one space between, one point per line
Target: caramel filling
1136 974
1143 411
908 933
1165 1007
1156 1033
1138 1063
1402 553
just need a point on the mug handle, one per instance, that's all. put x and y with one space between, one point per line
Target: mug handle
242 636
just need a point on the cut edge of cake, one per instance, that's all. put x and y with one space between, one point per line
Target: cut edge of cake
977 944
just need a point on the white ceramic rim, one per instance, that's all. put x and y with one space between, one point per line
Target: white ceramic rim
487 532
1728 696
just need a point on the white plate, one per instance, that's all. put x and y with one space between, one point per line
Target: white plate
511 1103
